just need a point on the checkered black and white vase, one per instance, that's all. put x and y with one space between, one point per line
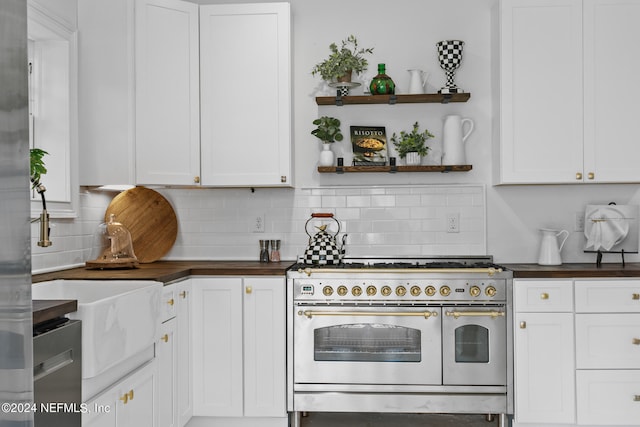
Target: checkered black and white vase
450 57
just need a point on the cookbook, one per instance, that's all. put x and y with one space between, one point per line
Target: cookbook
369 144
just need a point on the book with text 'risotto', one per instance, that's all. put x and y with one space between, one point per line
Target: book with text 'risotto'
369 145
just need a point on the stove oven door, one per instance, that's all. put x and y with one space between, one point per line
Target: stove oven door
367 345
474 346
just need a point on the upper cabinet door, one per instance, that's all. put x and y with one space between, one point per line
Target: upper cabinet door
245 94
611 67
541 91
167 92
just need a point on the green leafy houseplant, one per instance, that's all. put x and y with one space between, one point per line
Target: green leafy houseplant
328 129
37 168
349 58
413 141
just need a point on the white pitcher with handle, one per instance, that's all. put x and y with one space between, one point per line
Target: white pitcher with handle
417 81
453 139
549 249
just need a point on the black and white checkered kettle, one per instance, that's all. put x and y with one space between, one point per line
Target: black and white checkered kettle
323 248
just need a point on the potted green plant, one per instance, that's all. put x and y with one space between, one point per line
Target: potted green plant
412 145
37 167
342 62
327 131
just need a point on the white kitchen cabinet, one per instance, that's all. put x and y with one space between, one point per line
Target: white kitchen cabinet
544 378
106 92
173 352
245 94
209 112
608 351
184 368
239 349
167 92
560 120
131 402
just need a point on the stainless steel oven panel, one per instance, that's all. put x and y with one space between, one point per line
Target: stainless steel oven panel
474 345
368 358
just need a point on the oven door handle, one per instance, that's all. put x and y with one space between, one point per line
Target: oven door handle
493 314
310 313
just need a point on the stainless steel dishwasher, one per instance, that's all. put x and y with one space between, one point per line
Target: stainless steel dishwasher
57 373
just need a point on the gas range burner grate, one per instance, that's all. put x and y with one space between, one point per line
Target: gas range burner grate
413 263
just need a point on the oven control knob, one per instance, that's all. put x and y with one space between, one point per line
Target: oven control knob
386 291
371 290
430 291
327 291
415 291
474 291
356 291
401 291
490 291
445 290
342 290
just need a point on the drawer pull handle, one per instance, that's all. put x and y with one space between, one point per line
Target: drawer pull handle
171 301
635 297
127 397
544 295
636 341
523 325
165 338
183 294
636 398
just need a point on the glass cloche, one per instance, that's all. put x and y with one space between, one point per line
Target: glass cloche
112 246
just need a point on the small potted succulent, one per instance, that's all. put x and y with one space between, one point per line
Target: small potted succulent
343 62
412 145
327 131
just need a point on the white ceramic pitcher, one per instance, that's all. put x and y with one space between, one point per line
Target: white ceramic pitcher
418 81
549 249
453 139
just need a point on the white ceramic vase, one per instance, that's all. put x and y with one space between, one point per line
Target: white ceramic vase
413 159
326 155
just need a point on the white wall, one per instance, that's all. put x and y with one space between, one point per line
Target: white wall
403 34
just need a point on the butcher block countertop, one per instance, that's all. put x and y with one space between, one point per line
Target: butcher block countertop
44 310
167 271
582 270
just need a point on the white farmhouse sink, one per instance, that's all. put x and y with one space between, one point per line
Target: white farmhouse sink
120 318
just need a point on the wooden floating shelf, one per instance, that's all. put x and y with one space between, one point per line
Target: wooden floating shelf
393 99
391 169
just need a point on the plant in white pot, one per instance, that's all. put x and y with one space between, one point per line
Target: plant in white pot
412 145
343 62
327 131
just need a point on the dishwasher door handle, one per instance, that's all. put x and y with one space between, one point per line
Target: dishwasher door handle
52 364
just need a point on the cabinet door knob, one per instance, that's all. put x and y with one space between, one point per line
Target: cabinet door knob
196 179
636 398
183 294
635 297
579 176
636 341
248 289
165 338
283 178
591 175
544 295
124 398
171 301
523 325
130 394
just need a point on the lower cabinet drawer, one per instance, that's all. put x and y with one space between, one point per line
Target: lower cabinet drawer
608 341
608 397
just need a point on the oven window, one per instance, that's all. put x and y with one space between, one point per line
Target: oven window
472 344
366 342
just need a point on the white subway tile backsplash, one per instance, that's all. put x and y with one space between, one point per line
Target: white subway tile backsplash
388 221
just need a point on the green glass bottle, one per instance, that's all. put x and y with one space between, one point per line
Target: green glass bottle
382 84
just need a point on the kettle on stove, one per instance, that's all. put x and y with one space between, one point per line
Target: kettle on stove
323 248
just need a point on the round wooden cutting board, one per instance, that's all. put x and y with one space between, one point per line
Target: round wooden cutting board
150 219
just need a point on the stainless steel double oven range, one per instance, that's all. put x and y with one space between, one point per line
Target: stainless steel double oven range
422 335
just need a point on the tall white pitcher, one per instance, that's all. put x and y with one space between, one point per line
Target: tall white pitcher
453 139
